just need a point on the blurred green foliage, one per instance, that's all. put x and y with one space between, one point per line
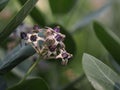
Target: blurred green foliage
75 19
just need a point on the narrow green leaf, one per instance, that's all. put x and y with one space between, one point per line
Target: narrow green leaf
90 17
3 84
110 41
61 6
31 84
11 26
100 75
3 3
114 64
36 15
18 55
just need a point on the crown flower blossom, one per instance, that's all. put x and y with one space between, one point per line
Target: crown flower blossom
52 46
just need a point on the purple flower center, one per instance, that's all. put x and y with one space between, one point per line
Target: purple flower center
57 29
52 48
23 35
36 27
58 37
33 38
64 55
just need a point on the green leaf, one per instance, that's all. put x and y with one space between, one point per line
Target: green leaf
87 19
11 26
114 64
31 84
16 56
3 84
61 6
36 15
3 3
110 41
100 75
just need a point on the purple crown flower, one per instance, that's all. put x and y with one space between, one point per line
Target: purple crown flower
33 38
52 46
57 29
23 35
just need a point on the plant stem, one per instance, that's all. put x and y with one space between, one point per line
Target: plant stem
30 69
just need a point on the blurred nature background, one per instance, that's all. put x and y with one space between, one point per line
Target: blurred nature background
76 16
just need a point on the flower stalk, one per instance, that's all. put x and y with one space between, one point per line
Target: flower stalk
30 69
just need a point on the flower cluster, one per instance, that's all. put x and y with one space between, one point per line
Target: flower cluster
47 42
